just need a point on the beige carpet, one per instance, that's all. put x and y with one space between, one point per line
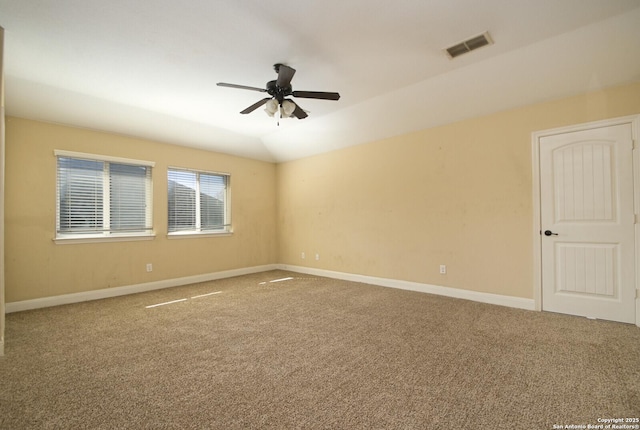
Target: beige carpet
311 353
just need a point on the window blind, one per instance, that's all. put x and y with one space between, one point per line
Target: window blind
80 195
212 201
182 200
128 197
101 197
197 201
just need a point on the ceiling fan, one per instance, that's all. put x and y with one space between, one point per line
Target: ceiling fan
279 89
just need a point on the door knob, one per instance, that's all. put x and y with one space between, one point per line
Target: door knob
550 233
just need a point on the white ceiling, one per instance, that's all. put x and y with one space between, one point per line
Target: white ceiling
149 69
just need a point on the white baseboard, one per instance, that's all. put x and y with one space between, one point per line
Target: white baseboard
130 289
476 296
495 299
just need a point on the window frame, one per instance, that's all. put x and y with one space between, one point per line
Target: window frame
227 229
105 236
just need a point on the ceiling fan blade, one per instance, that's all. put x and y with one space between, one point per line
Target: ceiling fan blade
316 95
285 74
242 87
299 112
256 105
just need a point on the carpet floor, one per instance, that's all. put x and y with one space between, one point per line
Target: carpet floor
280 350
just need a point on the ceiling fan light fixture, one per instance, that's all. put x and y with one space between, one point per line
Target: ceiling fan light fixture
271 107
287 108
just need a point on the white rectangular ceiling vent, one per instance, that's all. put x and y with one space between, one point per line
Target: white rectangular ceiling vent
469 45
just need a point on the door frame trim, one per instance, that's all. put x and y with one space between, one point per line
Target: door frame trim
634 120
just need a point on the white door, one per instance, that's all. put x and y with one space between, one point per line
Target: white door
587 219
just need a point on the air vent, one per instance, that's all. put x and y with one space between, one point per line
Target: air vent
469 45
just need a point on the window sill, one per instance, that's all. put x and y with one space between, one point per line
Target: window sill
193 234
67 240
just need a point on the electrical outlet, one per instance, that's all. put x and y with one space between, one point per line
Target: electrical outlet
443 269
302 255
317 256
149 267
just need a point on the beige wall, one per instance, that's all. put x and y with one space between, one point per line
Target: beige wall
2 295
459 195
37 267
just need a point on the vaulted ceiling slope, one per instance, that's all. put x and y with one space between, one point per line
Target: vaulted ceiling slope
149 69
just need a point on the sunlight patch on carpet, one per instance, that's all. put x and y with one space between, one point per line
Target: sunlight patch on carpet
205 295
165 303
280 280
182 300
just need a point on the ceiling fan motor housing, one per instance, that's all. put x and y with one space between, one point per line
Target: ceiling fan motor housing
278 92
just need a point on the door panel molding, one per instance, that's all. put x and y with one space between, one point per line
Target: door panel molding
590 212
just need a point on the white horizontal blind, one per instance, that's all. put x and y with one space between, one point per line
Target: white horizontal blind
212 201
80 195
197 201
101 197
129 195
182 200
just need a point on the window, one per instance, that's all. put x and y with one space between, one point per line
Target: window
198 202
102 197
